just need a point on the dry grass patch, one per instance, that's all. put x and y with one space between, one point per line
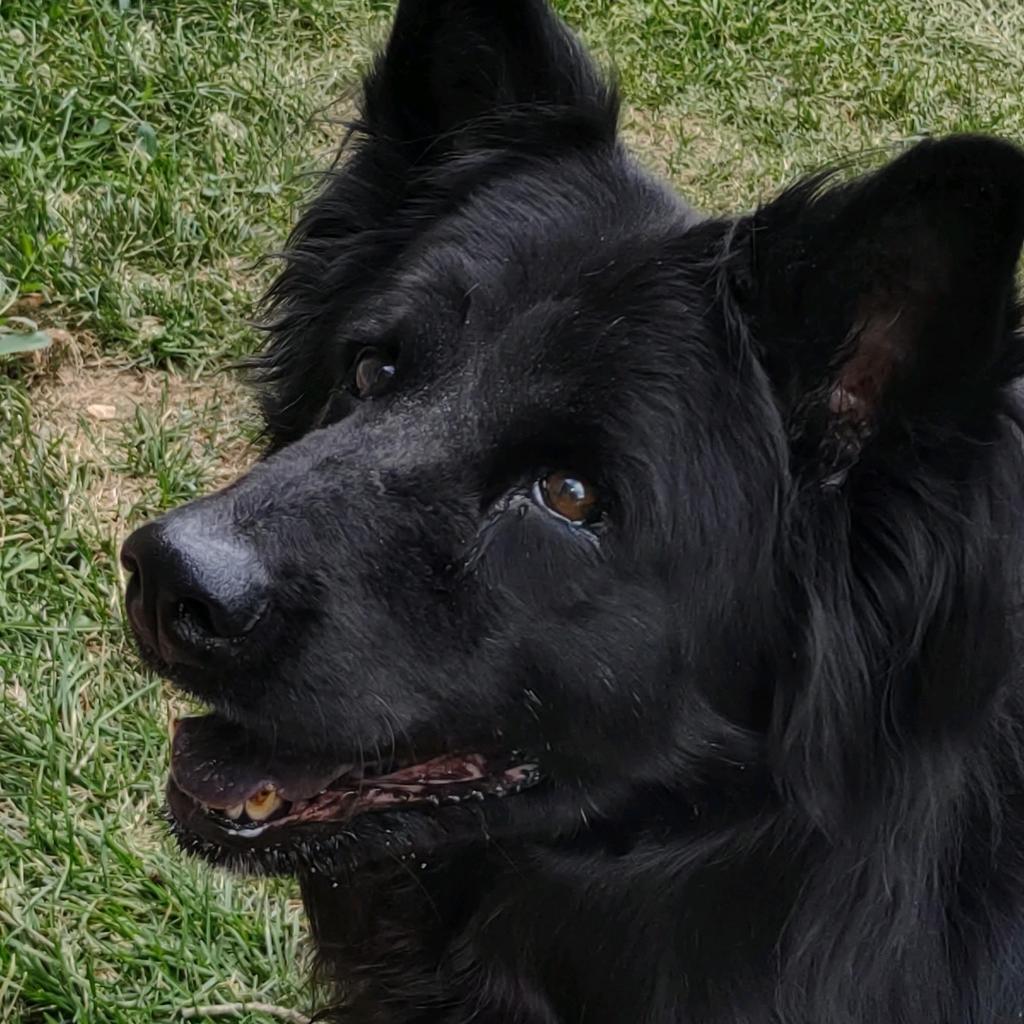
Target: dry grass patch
144 435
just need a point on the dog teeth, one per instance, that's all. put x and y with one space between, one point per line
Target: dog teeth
263 804
234 813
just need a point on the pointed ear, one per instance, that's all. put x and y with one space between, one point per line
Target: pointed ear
891 296
450 63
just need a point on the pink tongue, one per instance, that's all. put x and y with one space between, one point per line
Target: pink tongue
218 764
443 769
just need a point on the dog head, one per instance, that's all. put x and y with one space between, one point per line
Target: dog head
574 499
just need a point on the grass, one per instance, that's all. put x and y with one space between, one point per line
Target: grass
149 155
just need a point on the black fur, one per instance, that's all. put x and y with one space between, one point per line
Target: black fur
775 690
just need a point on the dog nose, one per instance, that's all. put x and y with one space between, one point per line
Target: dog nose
191 586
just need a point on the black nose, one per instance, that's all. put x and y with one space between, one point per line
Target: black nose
191 586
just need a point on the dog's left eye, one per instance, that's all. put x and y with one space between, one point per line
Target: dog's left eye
371 373
568 497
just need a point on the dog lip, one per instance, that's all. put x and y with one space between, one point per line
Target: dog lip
444 780
220 764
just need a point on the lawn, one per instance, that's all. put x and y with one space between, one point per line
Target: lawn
150 154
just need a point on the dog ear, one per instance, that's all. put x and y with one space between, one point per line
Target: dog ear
450 63
463 89
889 297
884 313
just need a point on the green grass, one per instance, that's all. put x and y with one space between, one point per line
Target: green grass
149 155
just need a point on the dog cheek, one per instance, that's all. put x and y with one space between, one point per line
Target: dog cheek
603 673
535 561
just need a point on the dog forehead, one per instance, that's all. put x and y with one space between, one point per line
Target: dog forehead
534 224
541 225
533 255
538 296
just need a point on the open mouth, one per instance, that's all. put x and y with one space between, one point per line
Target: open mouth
244 791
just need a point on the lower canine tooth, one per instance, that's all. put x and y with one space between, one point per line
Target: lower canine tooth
263 804
234 813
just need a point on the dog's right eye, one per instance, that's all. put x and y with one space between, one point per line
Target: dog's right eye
568 497
371 373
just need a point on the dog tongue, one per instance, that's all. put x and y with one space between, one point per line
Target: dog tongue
218 764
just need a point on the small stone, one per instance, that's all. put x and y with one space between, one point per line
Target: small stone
151 328
101 412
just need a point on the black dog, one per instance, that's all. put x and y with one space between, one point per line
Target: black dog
624 625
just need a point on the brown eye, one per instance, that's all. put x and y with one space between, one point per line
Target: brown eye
371 373
569 497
